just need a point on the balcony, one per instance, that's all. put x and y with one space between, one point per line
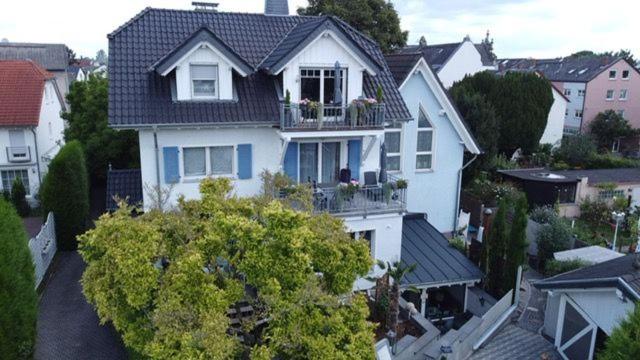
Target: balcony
358 200
18 154
311 116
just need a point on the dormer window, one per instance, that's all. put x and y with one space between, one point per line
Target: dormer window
204 81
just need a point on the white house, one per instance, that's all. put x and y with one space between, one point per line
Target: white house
585 305
216 94
453 61
31 129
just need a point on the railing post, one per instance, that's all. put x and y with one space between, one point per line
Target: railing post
282 115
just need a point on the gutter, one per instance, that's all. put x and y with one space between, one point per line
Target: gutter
155 146
457 207
35 143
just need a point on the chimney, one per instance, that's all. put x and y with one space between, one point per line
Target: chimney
423 41
205 6
276 7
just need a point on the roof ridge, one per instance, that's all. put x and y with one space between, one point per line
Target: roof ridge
131 21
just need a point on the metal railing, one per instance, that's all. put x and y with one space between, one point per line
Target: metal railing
316 116
357 200
18 154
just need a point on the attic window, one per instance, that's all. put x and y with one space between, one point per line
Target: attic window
583 71
204 81
571 71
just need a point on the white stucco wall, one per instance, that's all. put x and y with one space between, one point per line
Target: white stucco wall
323 53
555 121
432 192
576 102
204 56
605 308
465 61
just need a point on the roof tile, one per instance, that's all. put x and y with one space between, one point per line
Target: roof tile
21 90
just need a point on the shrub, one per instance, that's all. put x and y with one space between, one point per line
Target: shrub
18 298
18 198
6 195
65 192
554 237
608 127
610 161
576 150
555 267
543 214
594 212
459 244
623 342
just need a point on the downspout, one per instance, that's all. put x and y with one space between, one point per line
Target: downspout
457 207
155 145
35 142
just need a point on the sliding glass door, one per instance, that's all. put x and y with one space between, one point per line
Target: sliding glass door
330 162
308 162
320 162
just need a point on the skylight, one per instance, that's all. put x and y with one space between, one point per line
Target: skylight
571 71
583 71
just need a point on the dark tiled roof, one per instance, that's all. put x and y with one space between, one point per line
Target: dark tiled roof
513 342
607 274
124 184
436 55
485 55
139 97
438 263
52 57
401 64
21 90
595 176
568 69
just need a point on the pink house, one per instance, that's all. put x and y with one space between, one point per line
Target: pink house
592 84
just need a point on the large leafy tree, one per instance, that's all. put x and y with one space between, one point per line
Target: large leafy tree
608 127
168 280
88 123
377 19
622 53
624 341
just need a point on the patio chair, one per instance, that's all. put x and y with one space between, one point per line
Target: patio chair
373 189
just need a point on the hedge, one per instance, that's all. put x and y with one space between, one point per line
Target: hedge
18 198
18 299
65 192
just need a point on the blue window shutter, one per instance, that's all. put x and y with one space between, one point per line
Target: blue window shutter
291 161
171 164
355 155
244 161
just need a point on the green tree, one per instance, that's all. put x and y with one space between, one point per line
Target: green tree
608 127
88 124
18 299
553 237
167 280
18 198
377 19
517 243
496 249
396 272
623 343
576 150
65 192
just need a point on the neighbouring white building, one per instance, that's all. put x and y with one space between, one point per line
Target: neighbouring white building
216 94
31 129
453 61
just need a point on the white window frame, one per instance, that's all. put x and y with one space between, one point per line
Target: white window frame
399 130
343 155
27 186
628 75
217 80
626 95
432 129
207 163
345 75
615 74
613 95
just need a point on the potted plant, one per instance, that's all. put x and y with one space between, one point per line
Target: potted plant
402 184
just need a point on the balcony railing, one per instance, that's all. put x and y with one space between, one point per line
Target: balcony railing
356 200
17 154
314 116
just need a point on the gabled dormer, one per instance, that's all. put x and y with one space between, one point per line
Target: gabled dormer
201 68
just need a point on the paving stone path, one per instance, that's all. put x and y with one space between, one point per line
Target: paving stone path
532 303
68 327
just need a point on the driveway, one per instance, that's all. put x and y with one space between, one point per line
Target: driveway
68 327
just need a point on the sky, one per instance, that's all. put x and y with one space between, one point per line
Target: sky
520 28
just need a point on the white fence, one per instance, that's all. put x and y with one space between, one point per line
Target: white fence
43 247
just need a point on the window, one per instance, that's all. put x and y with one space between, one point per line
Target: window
581 92
566 193
368 236
320 162
621 113
623 94
578 113
204 81
392 143
625 74
9 176
424 153
319 85
612 74
195 162
221 159
567 92
610 94
610 194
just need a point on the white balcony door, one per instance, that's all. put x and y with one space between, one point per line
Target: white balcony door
318 84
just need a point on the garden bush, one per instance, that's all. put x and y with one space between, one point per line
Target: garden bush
576 150
610 161
65 192
18 198
594 212
17 288
543 214
554 237
555 267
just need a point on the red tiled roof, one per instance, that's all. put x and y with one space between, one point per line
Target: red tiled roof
21 90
